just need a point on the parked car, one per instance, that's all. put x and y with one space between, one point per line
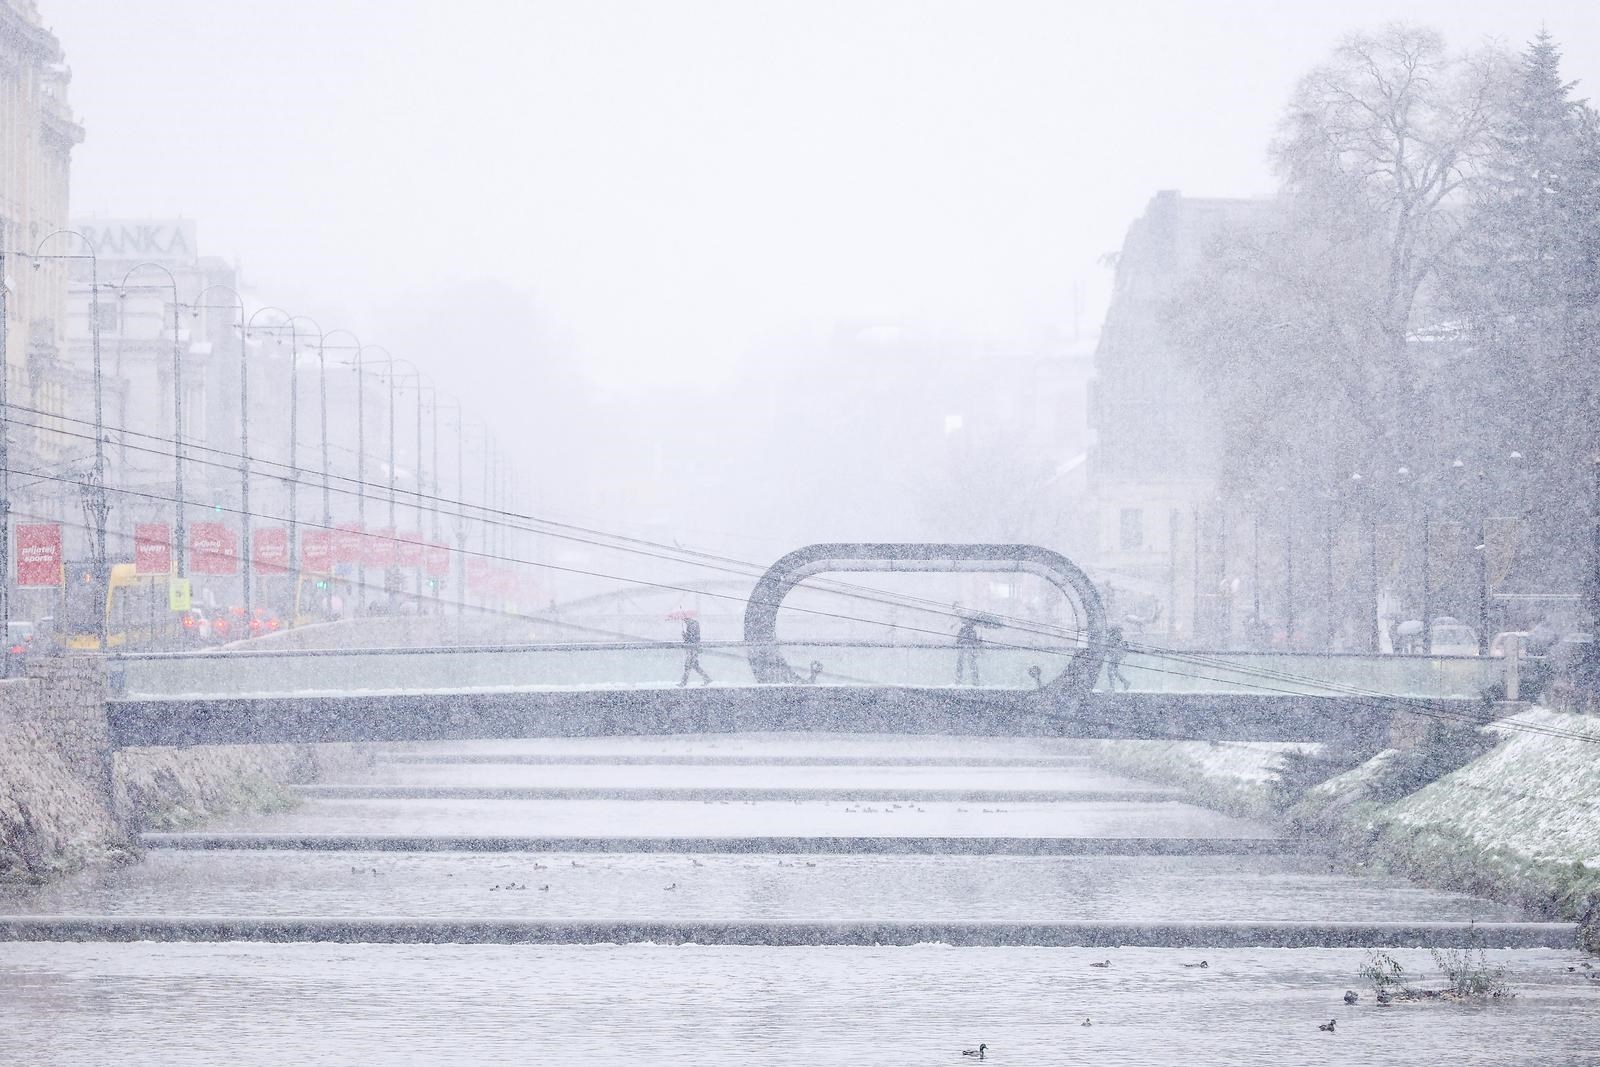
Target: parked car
196 627
1447 637
19 641
224 628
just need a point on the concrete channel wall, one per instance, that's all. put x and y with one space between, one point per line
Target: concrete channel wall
67 798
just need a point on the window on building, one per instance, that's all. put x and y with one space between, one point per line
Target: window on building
1132 533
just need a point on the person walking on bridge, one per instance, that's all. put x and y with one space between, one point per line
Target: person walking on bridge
691 653
967 644
1116 648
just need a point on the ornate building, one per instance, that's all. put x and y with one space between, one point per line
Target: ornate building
37 135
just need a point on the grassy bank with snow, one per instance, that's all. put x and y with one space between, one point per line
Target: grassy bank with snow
1511 812
1236 777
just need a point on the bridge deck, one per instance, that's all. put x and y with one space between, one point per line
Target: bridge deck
518 691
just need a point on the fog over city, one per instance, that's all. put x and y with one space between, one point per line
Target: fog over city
791 532
713 201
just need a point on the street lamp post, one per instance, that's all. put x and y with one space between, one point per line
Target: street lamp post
246 519
460 493
1328 626
1194 634
1369 509
488 532
416 376
1286 507
5 466
180 538
361 459
322 408
389 361
99 506
361 451
293 479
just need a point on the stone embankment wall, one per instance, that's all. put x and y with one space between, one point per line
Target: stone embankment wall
67 798
1517 819
55 769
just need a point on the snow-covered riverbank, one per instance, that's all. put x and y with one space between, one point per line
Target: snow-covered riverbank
1519 823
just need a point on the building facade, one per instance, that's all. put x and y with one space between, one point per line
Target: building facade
1153 464
37 135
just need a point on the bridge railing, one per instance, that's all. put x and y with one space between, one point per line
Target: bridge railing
1308 674
243 673
312 672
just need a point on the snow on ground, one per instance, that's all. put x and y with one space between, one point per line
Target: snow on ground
1535 795
1235 776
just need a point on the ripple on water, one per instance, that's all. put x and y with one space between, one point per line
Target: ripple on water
717 886
672 818
177 1005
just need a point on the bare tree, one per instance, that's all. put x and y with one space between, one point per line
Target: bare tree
1376 152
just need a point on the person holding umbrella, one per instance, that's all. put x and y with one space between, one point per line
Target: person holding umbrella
691 648
967 644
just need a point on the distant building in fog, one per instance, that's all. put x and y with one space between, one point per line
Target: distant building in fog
1153 465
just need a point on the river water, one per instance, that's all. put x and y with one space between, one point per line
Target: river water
249 1003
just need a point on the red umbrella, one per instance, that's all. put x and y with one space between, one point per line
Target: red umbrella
681 614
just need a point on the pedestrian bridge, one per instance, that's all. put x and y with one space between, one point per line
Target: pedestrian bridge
1048 681
256 696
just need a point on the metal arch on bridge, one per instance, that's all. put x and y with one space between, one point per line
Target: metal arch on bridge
1065 691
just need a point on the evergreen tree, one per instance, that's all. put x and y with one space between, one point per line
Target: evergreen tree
1527 291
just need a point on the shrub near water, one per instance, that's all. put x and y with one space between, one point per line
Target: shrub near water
1467 970
1383 971
1469 973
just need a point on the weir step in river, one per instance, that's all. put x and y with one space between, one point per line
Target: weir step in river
755 899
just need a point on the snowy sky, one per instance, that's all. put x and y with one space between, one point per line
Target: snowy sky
672 182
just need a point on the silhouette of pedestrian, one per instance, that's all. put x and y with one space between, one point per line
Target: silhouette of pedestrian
967 644
691 653
1116 648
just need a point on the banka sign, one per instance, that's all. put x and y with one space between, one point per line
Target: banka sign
156 240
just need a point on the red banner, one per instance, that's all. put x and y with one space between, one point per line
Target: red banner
213 549
39 554
379 550
438 560
316 550
269 547
152 548
408 549
347 543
